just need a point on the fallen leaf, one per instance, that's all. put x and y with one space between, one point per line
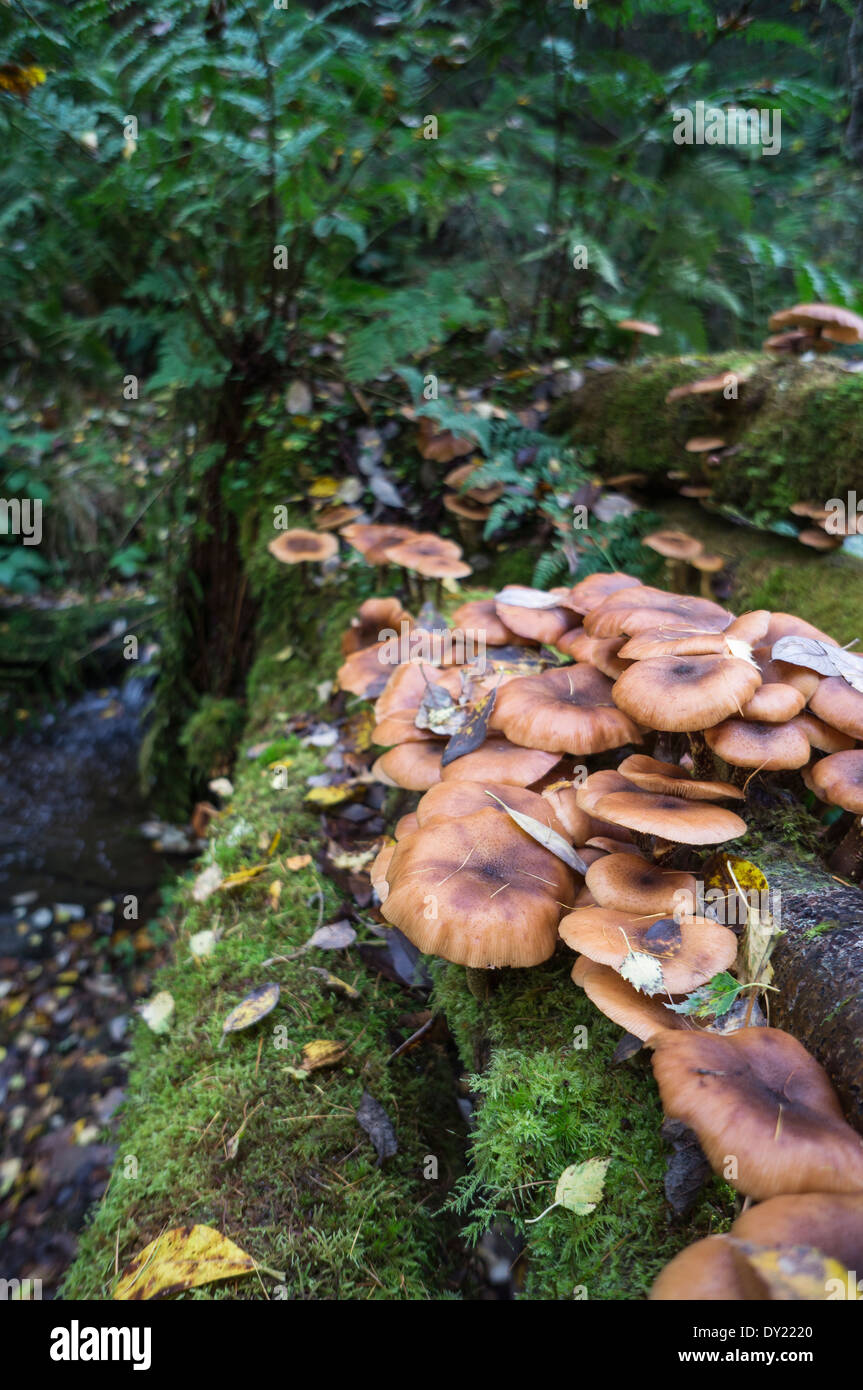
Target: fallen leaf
206 883
333 794
157 1012
252 1009
222 786
202 944
545 836
335 936
473 732
297 862
334 985
243 876
817 656
322 1053
643 971
182 1258
274 892
377 1124
579 1187
519 596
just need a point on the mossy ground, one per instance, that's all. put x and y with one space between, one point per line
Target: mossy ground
304 1194
798 427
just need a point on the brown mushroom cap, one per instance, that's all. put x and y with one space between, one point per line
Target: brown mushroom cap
373 540
400 727
674 545
598 785
822 736
686 692
759 1096
406 825
689 951
600 652
670 639
638 1013
578 825
567 709
451 800
632 884
461 476
789 625
415 766
707 386
838 779
774 702
817 539
332 518
366 672
478 891
703 444
839 704
671 817
537 624
378 871
591 591
830 1221
429 555
825 320
714 1269
632 610
372 619
648 330
751 743
671 780
298 547
498 760
480 617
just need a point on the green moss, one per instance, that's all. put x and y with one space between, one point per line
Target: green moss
210 736
304 1193
798 427
549 1096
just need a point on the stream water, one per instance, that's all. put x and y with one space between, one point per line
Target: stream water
75 958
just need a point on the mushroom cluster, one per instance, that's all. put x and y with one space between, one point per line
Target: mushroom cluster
575 769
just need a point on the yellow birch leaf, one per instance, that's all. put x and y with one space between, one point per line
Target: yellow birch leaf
250 1010
182 1258
322 1053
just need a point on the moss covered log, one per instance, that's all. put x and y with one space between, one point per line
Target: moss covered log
797 427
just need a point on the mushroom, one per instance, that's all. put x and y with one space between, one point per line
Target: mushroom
670 817
589 592
541 624
630 883
637 1013
774 702
838 779
830 1221
461 478
366 672
839 704
373 617
480 618
678 549
451 800
707 565
632 610
703 444
567 709
671 780
685 693
753 743
415 766
303 548
758 1097
727 1268
639 328
498 760
817 539
478 891
821 321
430 556
689 951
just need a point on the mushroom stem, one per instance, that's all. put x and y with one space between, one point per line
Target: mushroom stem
478 982
847 859
704 587
703 762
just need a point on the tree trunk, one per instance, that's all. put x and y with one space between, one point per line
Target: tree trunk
818 969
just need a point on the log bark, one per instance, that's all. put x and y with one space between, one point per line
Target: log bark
818 969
